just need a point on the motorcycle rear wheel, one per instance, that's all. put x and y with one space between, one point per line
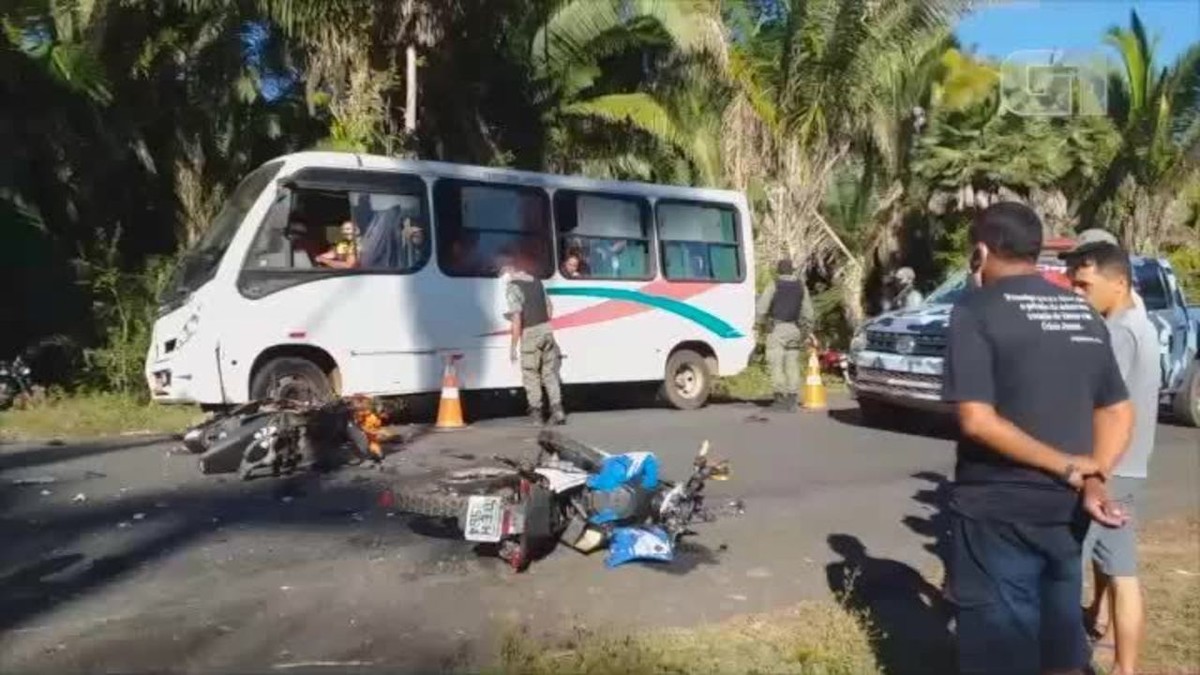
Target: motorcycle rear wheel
431 504
447 497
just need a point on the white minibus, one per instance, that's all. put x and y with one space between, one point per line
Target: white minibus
647 282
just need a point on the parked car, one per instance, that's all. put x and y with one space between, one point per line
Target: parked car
896 358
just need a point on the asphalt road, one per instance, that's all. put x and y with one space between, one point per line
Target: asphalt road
158 568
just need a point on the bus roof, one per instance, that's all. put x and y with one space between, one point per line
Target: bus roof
485 173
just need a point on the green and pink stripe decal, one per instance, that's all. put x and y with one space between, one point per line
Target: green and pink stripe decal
622 302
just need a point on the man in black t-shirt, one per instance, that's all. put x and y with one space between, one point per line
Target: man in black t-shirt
1032 374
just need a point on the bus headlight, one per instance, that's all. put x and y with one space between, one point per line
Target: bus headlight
188 330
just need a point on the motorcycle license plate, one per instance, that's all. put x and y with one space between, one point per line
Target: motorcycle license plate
485 517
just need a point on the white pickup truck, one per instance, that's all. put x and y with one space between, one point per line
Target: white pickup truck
895 359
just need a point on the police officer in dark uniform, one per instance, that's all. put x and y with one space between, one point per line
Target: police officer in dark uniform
786 302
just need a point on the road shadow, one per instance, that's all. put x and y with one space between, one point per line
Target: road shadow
936 525
53 453
905 614
59 553
911 422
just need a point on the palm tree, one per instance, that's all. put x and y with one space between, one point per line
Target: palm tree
1157 112
586 54
804 78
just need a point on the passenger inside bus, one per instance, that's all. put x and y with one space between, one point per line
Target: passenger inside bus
345 253
574 266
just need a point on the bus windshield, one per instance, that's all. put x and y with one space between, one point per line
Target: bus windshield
200 262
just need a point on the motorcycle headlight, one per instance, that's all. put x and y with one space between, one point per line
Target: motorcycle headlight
858 342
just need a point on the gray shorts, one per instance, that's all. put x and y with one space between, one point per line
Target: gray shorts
1115 549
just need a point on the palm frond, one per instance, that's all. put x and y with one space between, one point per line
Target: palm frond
639 110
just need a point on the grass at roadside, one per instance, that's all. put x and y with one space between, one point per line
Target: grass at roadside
823 637
91 415
817 637
1170 561
754 383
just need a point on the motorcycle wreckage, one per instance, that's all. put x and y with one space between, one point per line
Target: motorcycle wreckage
574 494
281 436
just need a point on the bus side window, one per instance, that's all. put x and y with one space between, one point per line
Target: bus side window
607 236
478 223
392 234
699 242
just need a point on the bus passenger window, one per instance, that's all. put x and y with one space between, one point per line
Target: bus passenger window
699 242
386 230
603 236
478 224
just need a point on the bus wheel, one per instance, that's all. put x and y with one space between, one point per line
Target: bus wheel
687 381
291 378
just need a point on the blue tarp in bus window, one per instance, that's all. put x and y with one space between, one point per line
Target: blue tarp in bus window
385 244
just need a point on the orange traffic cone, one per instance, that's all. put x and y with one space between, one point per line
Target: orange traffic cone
450 413
814 386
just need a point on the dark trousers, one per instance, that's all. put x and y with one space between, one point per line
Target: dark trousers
1018 588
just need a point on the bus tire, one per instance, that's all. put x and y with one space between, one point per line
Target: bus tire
292 378
687 381
1187 399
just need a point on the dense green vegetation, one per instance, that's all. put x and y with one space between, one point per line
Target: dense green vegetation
862 132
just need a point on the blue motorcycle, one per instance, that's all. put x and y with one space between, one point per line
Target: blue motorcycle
572 493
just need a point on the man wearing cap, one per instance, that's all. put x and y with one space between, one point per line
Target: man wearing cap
1100 271
785 301
1091 237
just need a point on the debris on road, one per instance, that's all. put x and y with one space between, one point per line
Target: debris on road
94 474
35 480
123 524
757 418
139 516
280 437
79 498
46 493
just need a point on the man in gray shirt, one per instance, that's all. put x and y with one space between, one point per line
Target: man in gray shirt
1101 272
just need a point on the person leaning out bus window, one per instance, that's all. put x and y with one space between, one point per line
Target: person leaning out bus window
343 254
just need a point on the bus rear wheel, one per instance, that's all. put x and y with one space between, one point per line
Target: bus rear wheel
291 378
687 381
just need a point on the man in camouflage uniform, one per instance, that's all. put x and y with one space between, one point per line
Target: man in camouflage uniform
786 303
529 311
904 291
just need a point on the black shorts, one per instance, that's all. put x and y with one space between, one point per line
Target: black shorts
1018 589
